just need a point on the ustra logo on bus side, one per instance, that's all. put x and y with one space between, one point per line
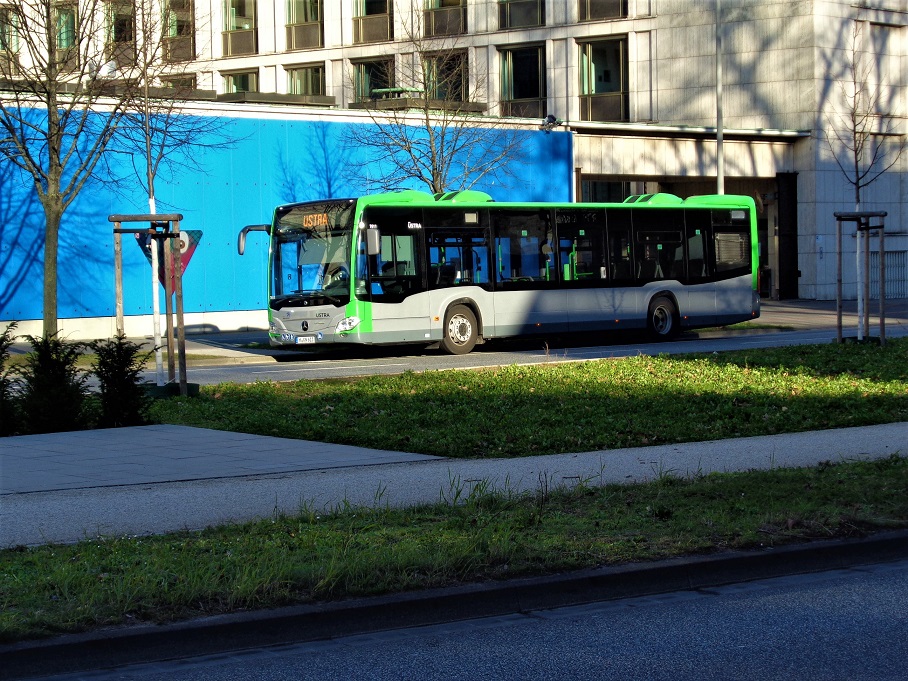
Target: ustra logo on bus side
315 220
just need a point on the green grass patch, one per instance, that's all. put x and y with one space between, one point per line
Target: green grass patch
465 538
584 406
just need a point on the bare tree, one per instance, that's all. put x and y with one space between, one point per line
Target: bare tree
156 129
425 106
71 72
859 135
56 115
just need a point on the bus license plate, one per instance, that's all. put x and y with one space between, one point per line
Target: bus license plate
302 340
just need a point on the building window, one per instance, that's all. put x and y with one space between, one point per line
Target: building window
523 91
304 24
446 76
603 86
9 43
520 13
596 190
306 80
372 21
67 26
120 41
239 35
591 10
183 84
9 36
179 30
241 81
372 75
445 17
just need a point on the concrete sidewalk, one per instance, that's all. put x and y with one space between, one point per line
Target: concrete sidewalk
64 487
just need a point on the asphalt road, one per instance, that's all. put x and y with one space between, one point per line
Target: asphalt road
394 360
844 624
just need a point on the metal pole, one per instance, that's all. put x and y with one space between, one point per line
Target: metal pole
867 279
118 276
882 283
838 280
168 291
155 246
720 154
181 328
859 266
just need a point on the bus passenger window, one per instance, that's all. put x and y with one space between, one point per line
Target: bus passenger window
580 245
620 257
524 248
457 259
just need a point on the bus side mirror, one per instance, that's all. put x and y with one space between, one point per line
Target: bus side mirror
373 241
241 240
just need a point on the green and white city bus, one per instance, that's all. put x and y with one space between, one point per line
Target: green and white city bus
457 269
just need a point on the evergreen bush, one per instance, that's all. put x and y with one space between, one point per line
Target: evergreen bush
118 365
52 389
9 412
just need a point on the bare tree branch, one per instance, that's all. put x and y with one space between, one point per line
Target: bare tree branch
424 105
857 135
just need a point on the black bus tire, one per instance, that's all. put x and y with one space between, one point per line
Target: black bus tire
662 319
460 332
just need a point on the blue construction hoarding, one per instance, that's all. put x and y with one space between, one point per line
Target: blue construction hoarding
267 161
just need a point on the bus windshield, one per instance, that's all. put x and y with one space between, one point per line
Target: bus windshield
312 252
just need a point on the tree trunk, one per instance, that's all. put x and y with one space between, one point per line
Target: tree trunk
53 214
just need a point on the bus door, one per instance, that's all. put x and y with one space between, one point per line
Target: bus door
396 277
529 297
701 287
459 265
593 302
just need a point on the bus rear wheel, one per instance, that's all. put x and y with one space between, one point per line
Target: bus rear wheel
460 332
662 320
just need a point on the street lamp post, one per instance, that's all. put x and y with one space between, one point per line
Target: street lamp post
720 154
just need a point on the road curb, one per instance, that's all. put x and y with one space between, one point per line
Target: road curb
109 648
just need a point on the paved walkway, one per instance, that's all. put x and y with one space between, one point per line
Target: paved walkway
65 487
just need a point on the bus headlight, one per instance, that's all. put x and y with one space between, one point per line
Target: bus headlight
347 324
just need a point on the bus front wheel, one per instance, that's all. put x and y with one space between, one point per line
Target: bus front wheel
662 320
460 332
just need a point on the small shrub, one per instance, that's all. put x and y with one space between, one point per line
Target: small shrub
117 366
9 412
52 393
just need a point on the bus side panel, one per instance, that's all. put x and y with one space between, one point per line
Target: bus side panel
602 309
530 312
701 305
403 322
734 300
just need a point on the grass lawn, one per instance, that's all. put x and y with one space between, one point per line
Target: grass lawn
585 406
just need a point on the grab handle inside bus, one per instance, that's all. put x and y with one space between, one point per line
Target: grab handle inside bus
241 241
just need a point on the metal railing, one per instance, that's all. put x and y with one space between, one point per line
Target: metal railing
239 42
445 21
591 10
374 28
304 36
520 13
179 48
610 106
523 108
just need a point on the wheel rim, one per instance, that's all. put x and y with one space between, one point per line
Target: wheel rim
459 329
662 321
